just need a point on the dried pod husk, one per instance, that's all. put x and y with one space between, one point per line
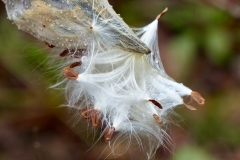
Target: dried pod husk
109 133
74 17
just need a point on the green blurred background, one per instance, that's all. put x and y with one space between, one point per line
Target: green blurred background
200 47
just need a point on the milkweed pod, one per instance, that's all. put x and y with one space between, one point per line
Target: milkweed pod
74 23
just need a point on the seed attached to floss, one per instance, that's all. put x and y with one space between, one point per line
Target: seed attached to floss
189 107
109 133
49 45
75 64
95 115
198 98
157 118
161 14
70 73
78 53
86 113
64 53
74 53
156 103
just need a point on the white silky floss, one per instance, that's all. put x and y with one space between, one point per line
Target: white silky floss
116 77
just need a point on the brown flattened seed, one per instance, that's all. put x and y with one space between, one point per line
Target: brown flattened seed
161 14
189 107
49 45
75 64
70 73
156 103
157 118
95 115
109 133
86 113
64 53
198 98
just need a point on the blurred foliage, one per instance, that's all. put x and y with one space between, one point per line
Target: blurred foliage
192 152
200 46
24 69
